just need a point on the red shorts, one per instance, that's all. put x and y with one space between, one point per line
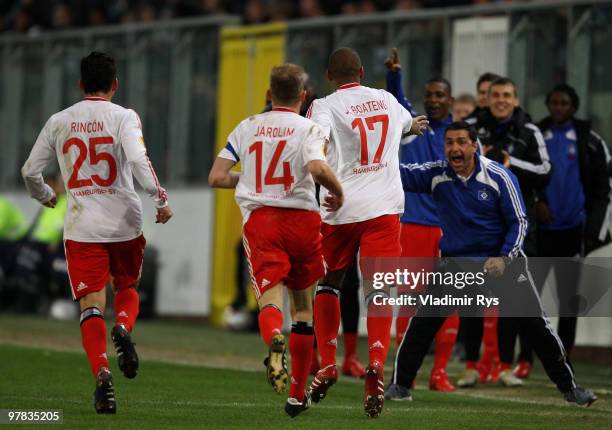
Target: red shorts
283 245
377 237
92 265
420 240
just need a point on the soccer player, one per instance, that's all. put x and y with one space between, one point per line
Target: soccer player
482 214
363 127
281 152
99 146
420 227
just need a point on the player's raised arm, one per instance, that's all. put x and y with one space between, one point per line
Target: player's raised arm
394 80
136 153
41 154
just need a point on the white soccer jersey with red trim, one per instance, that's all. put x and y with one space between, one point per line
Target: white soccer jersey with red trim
364 127
273 149
99 146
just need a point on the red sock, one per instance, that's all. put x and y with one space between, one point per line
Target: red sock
401 325
93 336
489 338
270 322
126 307
380 318
505 366
471 365
327 323
300 346
350 344
445 340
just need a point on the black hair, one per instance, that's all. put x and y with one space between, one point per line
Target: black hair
441 80
487 77
566 89
98 71
462 125
344 63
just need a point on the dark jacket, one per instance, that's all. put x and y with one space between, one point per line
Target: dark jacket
524 143
593 159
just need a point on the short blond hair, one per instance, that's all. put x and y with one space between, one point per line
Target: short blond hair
286 83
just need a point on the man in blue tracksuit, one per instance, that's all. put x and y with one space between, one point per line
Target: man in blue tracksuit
421 233
482 215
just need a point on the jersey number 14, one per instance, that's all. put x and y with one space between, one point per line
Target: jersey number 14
269 179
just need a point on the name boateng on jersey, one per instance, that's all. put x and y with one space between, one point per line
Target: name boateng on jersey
364 127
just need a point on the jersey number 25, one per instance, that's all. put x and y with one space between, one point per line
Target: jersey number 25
94 158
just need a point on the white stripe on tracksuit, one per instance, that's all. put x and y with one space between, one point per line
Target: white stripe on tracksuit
516 204
547 322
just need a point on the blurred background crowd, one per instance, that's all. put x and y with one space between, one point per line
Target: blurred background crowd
32 16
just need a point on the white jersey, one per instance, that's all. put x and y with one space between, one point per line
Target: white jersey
98 145
273 149
364 127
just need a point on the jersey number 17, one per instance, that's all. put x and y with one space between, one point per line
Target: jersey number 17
363 137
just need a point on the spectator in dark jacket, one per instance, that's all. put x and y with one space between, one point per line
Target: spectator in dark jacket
572 213
506 133
509 137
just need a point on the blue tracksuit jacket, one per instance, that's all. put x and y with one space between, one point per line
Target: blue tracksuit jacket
483 216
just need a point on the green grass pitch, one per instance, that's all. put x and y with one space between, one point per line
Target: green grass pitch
197 377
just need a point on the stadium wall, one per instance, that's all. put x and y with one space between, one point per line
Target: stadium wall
184 246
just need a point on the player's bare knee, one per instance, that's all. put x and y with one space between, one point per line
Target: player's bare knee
303 315
301 300
272 296
96 299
